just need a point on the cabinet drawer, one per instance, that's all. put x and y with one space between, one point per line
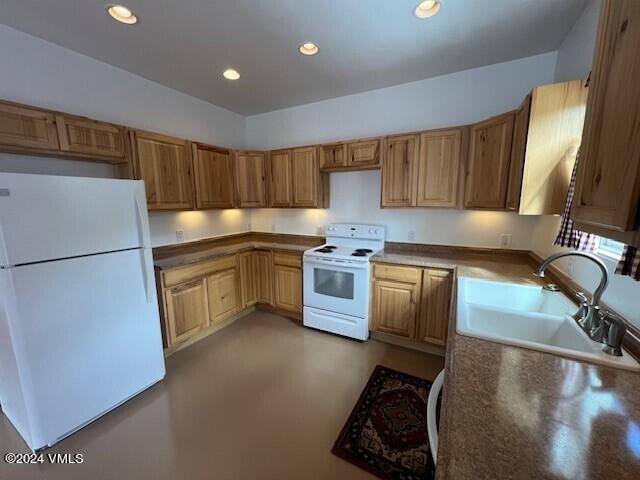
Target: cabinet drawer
400 274
287 259
182 274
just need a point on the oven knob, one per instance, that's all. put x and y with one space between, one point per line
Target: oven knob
377 232
371 230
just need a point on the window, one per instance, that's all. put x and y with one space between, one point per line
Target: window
609 248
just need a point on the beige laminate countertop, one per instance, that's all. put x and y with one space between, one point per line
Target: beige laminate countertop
514 413
209 253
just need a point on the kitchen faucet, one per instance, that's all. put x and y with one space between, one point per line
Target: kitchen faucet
603 327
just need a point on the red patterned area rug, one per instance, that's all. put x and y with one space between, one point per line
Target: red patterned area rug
386 433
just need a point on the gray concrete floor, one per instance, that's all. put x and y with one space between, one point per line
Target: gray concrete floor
262 399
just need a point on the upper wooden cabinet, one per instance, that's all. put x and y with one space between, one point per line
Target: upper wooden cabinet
438 168
84 136
305 173
399 170
28 128
488 162
164 163
214 179
333 156
364 154
607 195
547 134
280 194
250 170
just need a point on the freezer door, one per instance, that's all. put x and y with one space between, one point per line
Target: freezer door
87 337
44 217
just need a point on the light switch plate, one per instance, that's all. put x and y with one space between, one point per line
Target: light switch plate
505 240
412 235
180 235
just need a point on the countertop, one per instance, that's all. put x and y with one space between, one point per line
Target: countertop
208 253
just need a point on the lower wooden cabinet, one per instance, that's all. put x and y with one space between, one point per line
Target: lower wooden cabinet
186 310
412 302
264 286
248 269
288 283
223 292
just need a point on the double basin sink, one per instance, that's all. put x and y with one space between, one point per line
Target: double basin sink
528 316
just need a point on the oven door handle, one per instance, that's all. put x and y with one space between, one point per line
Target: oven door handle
335 263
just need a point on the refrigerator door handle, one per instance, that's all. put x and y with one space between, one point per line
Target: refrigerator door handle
4 257
141 213
147 265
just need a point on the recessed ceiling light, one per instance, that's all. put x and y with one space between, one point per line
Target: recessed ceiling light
122 14
231 74
427 9
308 48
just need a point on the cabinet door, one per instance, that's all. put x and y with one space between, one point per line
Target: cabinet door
364 154
608 179
288 283
248 267
187 310
488 163
305 177
280 178
395 307
223 291
438 168
333 156
264 264
398 171
214 177
84 136
164 163
28 128
435 302
518 151
250 172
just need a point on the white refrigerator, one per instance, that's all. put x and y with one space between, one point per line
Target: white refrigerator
79 324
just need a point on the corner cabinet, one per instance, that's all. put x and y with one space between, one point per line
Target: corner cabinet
164 163
488 163
607 197
280 178
214 177
411 302
250 173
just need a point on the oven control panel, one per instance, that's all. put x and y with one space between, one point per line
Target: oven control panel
352 230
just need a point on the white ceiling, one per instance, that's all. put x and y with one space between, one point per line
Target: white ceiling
364 44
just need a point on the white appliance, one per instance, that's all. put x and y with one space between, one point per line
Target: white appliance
79 325
432 415
336 279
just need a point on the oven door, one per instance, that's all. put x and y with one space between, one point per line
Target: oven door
337 286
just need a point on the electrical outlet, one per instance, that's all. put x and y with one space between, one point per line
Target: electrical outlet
505 240
273 227
180 235
319 230
249 226
412 235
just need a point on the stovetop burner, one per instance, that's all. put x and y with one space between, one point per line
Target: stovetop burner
359 254
363 250
324 250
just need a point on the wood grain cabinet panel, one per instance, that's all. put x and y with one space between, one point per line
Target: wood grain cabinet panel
84 136
214 178
438 168
608 181
250 170
305 172
288 288
435 304
264 264
187 310
164 163
223 291
488 163
398 170
518 151
395 307
28 128
364 154
333 156
280 184
248 269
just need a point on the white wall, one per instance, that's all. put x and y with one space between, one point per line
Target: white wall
574 61
36 72
456 99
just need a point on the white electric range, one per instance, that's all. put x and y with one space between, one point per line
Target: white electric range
336 279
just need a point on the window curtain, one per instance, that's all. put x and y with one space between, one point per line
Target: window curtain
569 236
629 264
